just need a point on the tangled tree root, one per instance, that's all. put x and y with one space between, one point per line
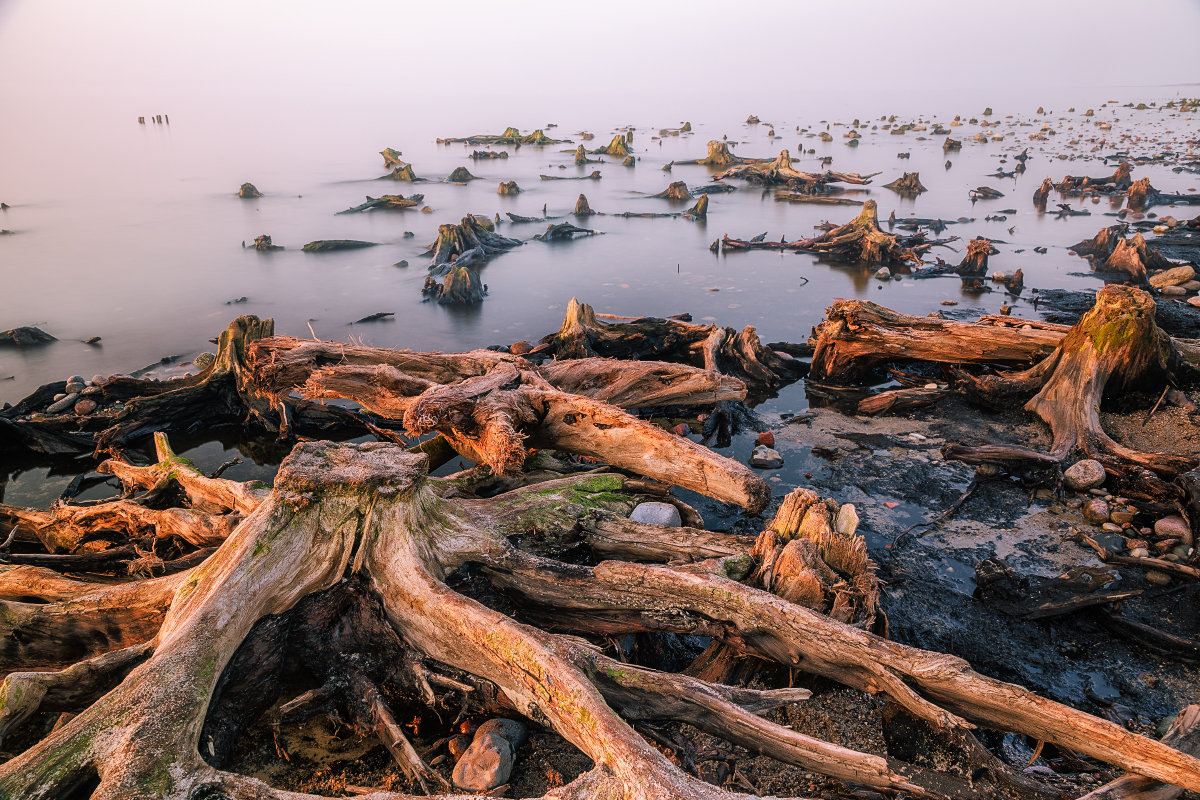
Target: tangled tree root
1115 346
348 559
716 349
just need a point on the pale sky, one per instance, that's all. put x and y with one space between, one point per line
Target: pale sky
154 50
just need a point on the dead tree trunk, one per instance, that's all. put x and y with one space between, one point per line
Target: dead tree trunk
858 336
908 184
862 241
1115 347
719 350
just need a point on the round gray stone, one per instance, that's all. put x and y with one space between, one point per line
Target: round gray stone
1084 475
657 514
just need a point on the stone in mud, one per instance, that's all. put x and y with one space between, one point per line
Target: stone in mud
1121 517
63 404
1084 475
765 457
1174 528
657 514
488 762
1157 578
1095 511
1112 542
1172 277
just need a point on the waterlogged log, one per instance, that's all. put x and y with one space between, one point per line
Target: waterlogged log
858 336
564 232
334 245
739 353
1118 182
1141 195
509 188
781 172
593 176
510 136
388 201
862 241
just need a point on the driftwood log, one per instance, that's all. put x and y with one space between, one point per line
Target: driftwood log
584 334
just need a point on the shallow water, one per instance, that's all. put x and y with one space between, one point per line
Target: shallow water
145 251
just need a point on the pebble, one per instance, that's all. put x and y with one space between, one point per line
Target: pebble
1194 301
203 360
1172 277
766 438
488 762
1111 527
63 404
1174 291
1139 552
846 521
883 274
520 348
1192 286
85 407
681 429
1084 475
1112 542
1095 511
1174 527
765 457
657 514
76 384
1121 517
458 745
1158 578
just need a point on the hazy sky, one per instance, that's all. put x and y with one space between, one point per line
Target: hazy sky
153 52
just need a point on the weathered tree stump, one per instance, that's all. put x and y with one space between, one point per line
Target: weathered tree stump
908 184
